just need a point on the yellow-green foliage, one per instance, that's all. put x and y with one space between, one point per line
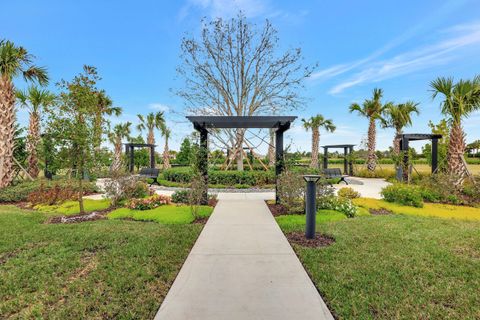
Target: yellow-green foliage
166 214
428 210
71 207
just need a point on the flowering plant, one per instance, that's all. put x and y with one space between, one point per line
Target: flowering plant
149 203
340 204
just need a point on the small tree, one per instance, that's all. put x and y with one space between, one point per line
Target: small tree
119 132
184 156
72 123
315 123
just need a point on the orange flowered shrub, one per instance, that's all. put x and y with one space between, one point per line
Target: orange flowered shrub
149 203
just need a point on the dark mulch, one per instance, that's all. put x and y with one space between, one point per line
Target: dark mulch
320 240
380 212
200 220
277 209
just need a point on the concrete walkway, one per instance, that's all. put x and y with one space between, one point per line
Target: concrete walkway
242 267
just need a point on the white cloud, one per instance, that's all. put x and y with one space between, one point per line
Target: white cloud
159 107
416 59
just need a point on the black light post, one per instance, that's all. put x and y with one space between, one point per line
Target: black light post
310 205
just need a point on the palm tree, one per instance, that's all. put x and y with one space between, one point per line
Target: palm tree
460 100
104 107
372 109
315 123
399 116
151 122
14 61
119 132
166 153
34 99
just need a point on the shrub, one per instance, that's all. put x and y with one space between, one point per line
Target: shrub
50 196
180 196
291 188
149 203
219 177
20 191
378 173
339 204
348 193
122 187
403 194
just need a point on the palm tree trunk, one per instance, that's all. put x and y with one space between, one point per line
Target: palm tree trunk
271 149
371 145
456 149
117 159
315 142
166 156
150 140
32 143
7 130
396 143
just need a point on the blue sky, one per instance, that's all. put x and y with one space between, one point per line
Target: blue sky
358 45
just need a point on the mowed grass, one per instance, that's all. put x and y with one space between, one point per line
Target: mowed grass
439 210
105 269
167 214
422 168
396 267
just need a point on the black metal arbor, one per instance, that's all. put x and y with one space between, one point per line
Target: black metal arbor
203 123
130 150
347 150
404 145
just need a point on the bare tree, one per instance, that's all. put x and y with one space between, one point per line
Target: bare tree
234 69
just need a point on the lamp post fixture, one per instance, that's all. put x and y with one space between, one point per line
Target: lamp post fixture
310 205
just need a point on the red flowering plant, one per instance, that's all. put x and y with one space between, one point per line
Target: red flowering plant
149 203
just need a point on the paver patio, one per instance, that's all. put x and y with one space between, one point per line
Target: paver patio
242 267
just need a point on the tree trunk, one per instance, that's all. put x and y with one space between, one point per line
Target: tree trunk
7 130
166 156
371 145
33 139
117 159
239 147
271 149
80 188
396 143
150 140
456 149
315 143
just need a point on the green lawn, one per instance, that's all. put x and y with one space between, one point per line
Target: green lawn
93 270
167 214
395 266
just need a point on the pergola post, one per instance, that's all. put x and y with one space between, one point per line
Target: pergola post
405 166
203 163
345 161
279 163
350 161
132 161
325 157
434 155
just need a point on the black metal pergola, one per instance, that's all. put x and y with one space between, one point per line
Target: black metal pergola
279 123
130 150
347 150
404 145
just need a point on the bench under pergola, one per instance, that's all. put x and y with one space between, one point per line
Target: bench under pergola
347 150
130 150
203 123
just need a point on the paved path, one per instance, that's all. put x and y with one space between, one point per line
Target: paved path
242 267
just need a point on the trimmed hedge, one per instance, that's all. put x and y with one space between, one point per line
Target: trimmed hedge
228 178
19 192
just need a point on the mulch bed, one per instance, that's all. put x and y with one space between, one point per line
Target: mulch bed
277 209
380 212
90 216
200 220
320 240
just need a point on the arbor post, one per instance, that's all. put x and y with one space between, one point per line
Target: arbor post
345 161
203 163
279 156
325 157
132 160
350 161
434 155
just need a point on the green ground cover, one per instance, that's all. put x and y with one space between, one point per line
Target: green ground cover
71 207
395 266
105 269
167 214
